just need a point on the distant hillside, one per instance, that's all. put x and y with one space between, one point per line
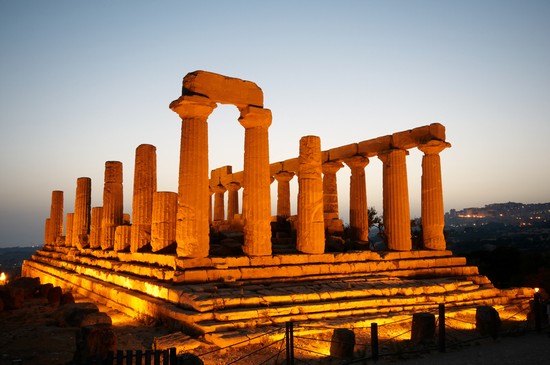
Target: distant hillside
11 259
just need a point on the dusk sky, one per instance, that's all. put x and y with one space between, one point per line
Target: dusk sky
84 82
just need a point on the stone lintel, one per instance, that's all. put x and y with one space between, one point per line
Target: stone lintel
342 152
218 174
275 167
223 89
372 147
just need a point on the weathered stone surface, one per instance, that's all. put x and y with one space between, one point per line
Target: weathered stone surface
69 229
112 214
433 215
373 147
163 228
311 228
73 314
55 230
223 89
256 209
192 227
342 343
283 192
219 203
178 340
342 152
44 289
81 220
94 342
358 209
330 191
487 321
122 238
54 296
145 184
95 227
423 328
232 199
66 298
397 222
12 298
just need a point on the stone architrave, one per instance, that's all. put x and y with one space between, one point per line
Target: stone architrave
256 181
358 208
122 238
232 199
163 227
95 227
283 193
397 216
219 204
433 214
192 229
56 217
112 203
82 206
145 184
310 225
69 229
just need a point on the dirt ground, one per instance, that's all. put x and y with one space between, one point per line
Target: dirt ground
33 335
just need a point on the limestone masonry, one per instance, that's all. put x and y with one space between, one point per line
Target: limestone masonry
216 269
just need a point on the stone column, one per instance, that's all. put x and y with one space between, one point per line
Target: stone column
397 216
330 189
283 193
82 206
433 214
310 225
219 204
192 229
163 228
122 238
358 209
210 211
145 184
47 233
232 200
112 204
256 181
56 217
69 229
95 227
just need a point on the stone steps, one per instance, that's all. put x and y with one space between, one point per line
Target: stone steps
299 288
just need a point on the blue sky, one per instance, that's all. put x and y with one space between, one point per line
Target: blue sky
86 82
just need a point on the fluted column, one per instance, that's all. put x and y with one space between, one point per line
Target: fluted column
69 229
56 218
358 209
232 200
283 193
433 214
122 238
163 228
310 225
219 203
330 189
256 181
145 184
397 216
95 227
192 229
112 203
82 206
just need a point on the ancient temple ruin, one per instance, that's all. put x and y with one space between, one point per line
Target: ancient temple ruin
216 268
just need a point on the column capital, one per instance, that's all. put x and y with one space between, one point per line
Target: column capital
433 147
253 116
193 106
284 176
357 162
233 186
332 167
218 189
383 156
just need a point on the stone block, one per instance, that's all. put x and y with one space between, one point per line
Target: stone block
373 147
223 89
423 328
54 296
342 152
487 321
94 342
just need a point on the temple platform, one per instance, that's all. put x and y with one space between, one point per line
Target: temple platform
219 295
